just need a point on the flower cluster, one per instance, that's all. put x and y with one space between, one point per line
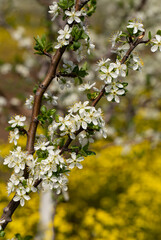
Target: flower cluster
17 125
81 116
73 16
52 159
48 163
110 71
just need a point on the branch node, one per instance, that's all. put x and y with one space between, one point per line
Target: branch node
6 209
42 86
35 120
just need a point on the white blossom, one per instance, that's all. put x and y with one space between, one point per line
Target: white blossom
51 99
89 45
68 65
61 184
137 63
14 181
73 16
54 10
75 161
115 38
120 68
21 195
101 63
17 121
85 138
65 34
136 27
107 73
114 94
61 43
29 102
49 182
157 43
86 86
1 222
16 160
41 145
79 107
14 136
81 121
30 185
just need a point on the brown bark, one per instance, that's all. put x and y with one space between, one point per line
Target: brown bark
12 206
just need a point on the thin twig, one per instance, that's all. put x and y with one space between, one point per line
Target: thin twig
94 103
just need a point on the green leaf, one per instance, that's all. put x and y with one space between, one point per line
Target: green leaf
35 89
92 96
149 35
65 4
42 45
74 148
83 153
18 236
85 66
76 45
52 112
84 36
9 129
56 117
78 80
125 84
43 109
2 233
91 7
130 31
28 237
159 32
90 153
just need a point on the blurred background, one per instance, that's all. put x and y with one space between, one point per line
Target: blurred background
117 195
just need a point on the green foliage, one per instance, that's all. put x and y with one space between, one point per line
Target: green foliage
75 46
42 46
65 4
77 33
42 155
80 72
19 237
91 7
149 35
2 233
92 96
159 32
46 115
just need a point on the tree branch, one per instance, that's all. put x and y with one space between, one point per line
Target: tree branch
12 206
141 5
94 103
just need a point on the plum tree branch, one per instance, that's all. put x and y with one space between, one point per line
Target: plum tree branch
31 134
94 103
